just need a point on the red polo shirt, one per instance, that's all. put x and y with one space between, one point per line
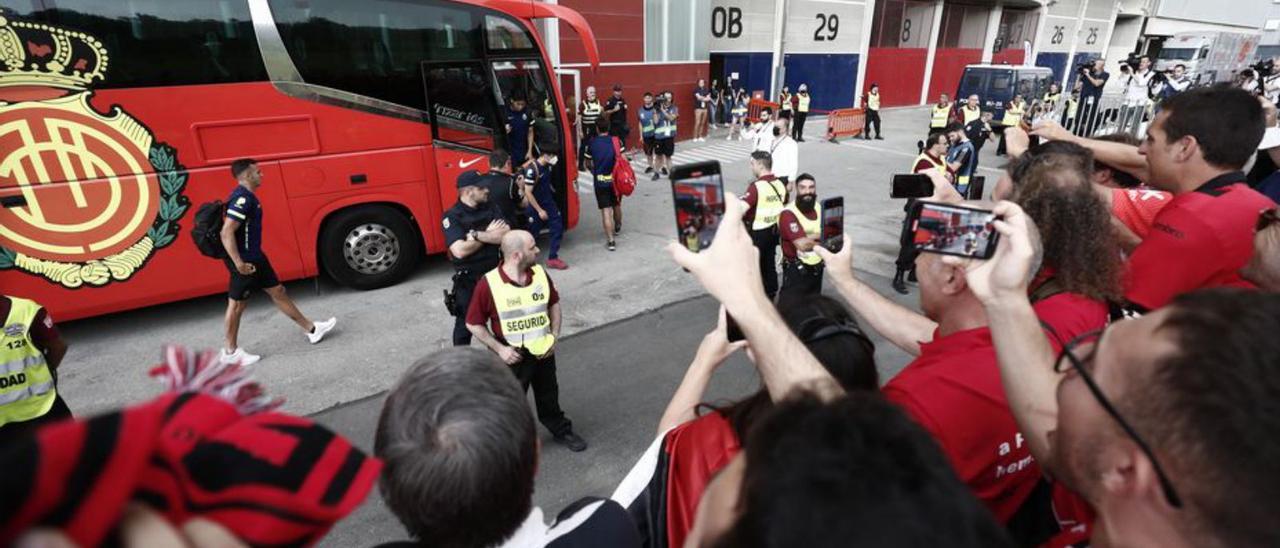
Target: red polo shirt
1201 239
482 309
953 390
790 229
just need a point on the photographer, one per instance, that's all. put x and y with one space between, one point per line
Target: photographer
1174 82
1137 94
1093 78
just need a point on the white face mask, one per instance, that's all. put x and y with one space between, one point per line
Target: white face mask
554 160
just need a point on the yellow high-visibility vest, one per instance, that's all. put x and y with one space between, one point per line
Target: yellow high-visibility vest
522 311
770 201
1072 105
971 114
812 230
873 101
786 101
26 384
1013 114
803 101
940 115
942 166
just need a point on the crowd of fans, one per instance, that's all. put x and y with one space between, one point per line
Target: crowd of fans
1107 378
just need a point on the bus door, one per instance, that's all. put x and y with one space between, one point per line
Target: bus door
464 120
527 78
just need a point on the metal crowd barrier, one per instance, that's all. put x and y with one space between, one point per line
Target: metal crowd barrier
757 105
1108 114
845 122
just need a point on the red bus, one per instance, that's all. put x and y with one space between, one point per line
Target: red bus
117 119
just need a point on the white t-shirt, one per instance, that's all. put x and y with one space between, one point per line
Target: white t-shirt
1135 90
786 157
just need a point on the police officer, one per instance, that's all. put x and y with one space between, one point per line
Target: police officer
473 229
516 313
542 211
765 198
800 226
588 112
30 352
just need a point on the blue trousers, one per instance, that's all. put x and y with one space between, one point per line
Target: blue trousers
554 222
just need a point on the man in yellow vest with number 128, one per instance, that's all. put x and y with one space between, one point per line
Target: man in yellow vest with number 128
515 311
30 351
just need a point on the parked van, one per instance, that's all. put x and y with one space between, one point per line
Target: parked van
996 85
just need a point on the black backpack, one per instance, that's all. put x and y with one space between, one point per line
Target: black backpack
207 232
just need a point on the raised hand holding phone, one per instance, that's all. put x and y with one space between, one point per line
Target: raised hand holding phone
954 230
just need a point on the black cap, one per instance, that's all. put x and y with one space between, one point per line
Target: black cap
468 178
617 87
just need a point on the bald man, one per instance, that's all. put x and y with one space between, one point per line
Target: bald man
515 311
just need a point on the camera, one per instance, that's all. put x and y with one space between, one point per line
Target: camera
1264 68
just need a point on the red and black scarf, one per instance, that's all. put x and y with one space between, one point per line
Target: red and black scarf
271 479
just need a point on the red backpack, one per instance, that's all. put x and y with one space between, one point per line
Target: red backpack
624 178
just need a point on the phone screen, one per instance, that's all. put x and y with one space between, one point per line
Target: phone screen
954 230
698 195
833 224
913 185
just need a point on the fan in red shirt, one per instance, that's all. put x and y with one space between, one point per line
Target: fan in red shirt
1194 149
698 440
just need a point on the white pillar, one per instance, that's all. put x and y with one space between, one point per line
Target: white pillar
780 18
993 30
1042 16
868 17
934 33
551 37
1111 31
666 29
1075 43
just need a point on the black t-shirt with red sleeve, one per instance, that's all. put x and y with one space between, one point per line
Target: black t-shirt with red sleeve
483 310
791 230
1201 239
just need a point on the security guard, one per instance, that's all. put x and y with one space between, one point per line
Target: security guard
801 228
588 112
1012 118
542 211
940 113
516 313
784 103
30 352
473 229
971 111
802 113
765 198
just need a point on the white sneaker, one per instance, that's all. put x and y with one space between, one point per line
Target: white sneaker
239 356
320 328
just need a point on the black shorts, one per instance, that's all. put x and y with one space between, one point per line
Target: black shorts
241 286
665 147
605 197
650 145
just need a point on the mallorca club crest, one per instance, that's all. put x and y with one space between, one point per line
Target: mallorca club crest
88 196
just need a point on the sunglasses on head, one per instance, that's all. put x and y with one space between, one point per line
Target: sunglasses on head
1266 218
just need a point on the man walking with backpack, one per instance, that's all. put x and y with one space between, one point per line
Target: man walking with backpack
242 239
603 158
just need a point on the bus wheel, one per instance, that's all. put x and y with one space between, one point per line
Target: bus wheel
369 247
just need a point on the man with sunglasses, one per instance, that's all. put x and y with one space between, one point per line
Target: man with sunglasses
1164 424
1194 148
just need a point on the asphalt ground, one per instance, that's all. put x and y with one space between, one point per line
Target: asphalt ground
632 321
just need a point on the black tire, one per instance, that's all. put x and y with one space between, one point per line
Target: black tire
368 247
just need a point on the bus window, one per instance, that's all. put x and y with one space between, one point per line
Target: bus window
374 48
504 34
1000 81
526 78
166 42
461 103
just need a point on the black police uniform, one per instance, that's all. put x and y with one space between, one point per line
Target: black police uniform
458 221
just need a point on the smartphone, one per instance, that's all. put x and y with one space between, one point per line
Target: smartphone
977 185
954 230
832 237
731 330
911 185
697 193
